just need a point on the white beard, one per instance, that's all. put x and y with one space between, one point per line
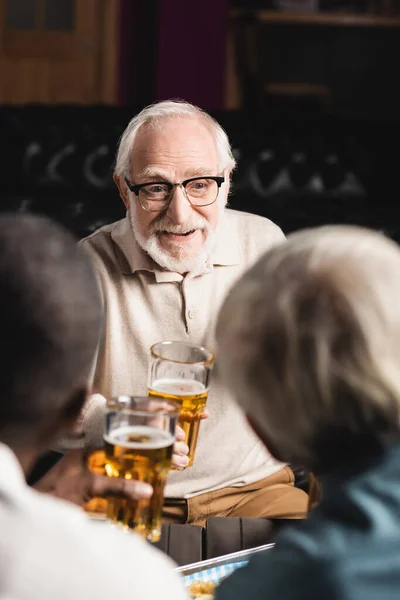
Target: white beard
184 262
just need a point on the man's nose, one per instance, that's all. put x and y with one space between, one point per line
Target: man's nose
179 209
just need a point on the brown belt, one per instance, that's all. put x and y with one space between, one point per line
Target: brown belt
181 502
175 504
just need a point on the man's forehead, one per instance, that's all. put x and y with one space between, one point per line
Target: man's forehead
187 144
153 172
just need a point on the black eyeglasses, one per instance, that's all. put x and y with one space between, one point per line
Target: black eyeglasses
156 195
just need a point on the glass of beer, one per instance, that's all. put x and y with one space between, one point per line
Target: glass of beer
181 372
139 437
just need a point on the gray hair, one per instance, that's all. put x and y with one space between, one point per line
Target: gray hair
154 115
309 343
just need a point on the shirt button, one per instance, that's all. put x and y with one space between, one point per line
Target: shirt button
191 314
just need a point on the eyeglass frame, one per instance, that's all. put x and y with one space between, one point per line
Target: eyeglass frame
219 180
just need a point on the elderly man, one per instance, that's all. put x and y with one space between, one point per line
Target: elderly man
164 271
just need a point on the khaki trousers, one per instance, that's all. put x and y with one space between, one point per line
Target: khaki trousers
273 497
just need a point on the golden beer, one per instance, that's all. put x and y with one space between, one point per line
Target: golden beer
142 453
191 395
96 463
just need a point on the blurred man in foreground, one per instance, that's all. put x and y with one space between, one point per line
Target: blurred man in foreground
49 325
309 342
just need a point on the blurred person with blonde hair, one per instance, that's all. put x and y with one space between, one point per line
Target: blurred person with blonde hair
309 344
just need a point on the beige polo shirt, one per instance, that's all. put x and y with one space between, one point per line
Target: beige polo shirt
145 304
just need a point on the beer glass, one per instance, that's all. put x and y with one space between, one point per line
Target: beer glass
138 439
181 372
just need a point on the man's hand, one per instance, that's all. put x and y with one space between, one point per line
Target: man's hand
72 481
179 457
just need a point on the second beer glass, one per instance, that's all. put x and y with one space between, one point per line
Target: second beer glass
181 372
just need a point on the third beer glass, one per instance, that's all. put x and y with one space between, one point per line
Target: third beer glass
181 372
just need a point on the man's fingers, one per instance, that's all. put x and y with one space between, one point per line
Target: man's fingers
180 435
125 488
179 462
205 414
179 457
181 448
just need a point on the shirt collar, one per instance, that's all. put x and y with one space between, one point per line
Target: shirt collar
132 258
11 473
226 252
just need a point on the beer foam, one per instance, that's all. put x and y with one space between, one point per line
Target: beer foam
158 437
178 387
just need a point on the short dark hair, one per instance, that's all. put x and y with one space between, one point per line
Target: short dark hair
50 314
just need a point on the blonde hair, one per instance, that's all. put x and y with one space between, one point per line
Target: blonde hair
155 115
309 342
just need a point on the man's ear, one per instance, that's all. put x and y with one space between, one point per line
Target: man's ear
72 410
123 189
227 184
259 433
65 423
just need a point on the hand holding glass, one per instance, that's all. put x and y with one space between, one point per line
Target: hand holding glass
181 372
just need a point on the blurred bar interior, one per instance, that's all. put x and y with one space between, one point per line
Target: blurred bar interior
307 90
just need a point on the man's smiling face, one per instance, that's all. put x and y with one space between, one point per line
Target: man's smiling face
180 237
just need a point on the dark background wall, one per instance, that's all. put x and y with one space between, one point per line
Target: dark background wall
314 118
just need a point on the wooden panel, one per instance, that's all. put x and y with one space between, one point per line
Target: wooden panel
49 44
62 66
109 52
59 16
233 94
22 81
352 63
22 14
321 18
62 83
